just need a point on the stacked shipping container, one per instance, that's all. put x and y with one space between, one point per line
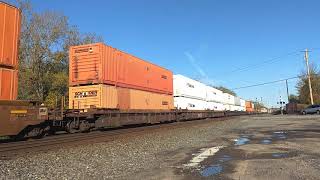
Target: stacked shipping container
189 94
104 77
10 18
101 64
8 84
193 95
214 99
113 97
121 81
249 106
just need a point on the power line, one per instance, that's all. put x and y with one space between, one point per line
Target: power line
276 81
270 82
269 61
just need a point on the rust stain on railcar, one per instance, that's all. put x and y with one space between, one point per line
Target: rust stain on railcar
17 115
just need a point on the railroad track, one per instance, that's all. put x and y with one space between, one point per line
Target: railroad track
12 149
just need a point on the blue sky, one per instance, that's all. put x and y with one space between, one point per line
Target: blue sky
208 39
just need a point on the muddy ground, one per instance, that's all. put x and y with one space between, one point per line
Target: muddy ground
266 147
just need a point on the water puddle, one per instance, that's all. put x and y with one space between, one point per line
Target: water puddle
212 170
279 135
266 141
195 161
216 167
279 155
242 141
224 158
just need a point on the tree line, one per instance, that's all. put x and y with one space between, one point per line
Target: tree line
302 86
43 53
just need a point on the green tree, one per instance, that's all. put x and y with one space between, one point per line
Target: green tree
43 53
226 90
258 105
293 98
303 86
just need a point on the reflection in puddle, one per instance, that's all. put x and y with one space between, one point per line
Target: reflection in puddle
241 141
279 135
212 170
279 155
224 158
215 168
266 141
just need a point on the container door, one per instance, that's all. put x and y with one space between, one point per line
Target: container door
7 86
9 34
123 98
86 64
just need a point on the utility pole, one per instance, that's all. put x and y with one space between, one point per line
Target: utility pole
281 109
287 90
306 57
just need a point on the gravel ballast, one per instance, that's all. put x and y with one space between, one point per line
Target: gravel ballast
122 158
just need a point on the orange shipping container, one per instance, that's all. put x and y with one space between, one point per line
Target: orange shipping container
8 84
10 19
101 64
249 109
99 96
248 104
137 99
111 97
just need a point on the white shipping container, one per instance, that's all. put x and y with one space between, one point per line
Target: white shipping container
186 87
240 108
233 108
243 103
215 106
237 108
214 95
225 99
226 107
237 101
189 103
228 99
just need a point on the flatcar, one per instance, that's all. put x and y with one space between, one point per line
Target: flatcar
24 119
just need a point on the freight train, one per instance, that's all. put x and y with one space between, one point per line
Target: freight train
108 88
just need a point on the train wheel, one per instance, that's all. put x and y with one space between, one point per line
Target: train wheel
84 126
35 132
71 127
32 132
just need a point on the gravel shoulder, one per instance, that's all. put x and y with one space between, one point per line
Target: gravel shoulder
164 154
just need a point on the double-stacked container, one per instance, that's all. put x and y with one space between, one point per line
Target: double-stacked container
214 99
104 77
10 20
189 94
249 106
228 102
239 104
243 105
